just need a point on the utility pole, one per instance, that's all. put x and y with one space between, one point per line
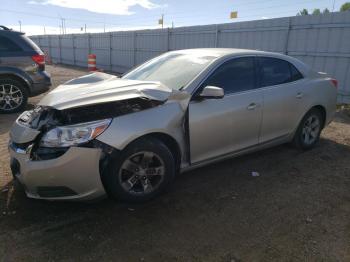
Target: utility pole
104 28
44 30
161 21
62 26
85 28
333 5
20 25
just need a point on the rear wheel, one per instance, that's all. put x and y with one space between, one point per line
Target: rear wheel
141 172
309 130
13 96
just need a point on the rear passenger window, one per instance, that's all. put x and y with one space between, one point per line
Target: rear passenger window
296 75
274 71
234 76
7 45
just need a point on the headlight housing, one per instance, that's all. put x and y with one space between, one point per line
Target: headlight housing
66 136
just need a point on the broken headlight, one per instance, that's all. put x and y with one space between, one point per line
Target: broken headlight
66 136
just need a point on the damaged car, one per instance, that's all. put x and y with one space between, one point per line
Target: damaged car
128 137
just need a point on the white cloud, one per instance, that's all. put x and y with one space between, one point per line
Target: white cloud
114 7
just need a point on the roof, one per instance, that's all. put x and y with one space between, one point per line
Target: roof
222 52
6 30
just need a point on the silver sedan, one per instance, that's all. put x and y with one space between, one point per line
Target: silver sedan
128 137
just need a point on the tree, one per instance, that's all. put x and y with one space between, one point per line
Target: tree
326 11
303 12
345 7
316 11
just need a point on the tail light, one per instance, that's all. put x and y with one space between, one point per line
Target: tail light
334 82
39 59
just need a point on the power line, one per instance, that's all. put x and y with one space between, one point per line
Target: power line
153 18
177 19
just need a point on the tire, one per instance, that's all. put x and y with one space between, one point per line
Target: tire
128 177
309 130
13 96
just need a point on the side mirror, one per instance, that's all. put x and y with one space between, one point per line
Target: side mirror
212 92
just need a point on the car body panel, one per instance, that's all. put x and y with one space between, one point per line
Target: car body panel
168 119
220 126
101 88
22 134
70 170
282 110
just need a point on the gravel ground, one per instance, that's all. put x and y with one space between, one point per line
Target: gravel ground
296 210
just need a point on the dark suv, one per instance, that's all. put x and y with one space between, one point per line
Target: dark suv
22 70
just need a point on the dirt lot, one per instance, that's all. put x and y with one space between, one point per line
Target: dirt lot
298 209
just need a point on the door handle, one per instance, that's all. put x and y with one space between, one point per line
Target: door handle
299 95
252 106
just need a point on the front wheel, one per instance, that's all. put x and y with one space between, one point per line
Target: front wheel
142 171
309 130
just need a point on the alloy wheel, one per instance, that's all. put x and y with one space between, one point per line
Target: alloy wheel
11 97
311 130
142 173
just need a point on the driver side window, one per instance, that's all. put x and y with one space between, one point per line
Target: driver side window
234 76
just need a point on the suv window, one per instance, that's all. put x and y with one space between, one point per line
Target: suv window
8 45
234 76
274 71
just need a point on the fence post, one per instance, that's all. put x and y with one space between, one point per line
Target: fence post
60 48
73 46
50 51
89 44
168 40
287 36
110 52
216 35
134 48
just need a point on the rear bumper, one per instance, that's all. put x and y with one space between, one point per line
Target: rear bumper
73 176
41 83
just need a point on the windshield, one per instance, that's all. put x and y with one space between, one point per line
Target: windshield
174 70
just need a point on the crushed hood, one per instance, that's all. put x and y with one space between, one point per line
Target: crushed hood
101 88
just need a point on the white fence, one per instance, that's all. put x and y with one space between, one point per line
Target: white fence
322 41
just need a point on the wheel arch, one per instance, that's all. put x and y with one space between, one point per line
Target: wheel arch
18 78
322 110
168 141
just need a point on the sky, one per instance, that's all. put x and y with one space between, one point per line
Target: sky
45 16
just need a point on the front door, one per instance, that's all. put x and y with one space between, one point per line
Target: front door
221 126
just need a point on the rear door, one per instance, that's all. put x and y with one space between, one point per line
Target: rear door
283 98
221 126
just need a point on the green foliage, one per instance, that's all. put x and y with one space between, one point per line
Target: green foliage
326 11
303 12
345 7
316 11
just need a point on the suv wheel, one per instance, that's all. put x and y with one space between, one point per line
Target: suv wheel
309 130
13 96
142 171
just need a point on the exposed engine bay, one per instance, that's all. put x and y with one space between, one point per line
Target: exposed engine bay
42 118
45 118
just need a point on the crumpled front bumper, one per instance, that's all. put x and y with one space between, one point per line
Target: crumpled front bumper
74 175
